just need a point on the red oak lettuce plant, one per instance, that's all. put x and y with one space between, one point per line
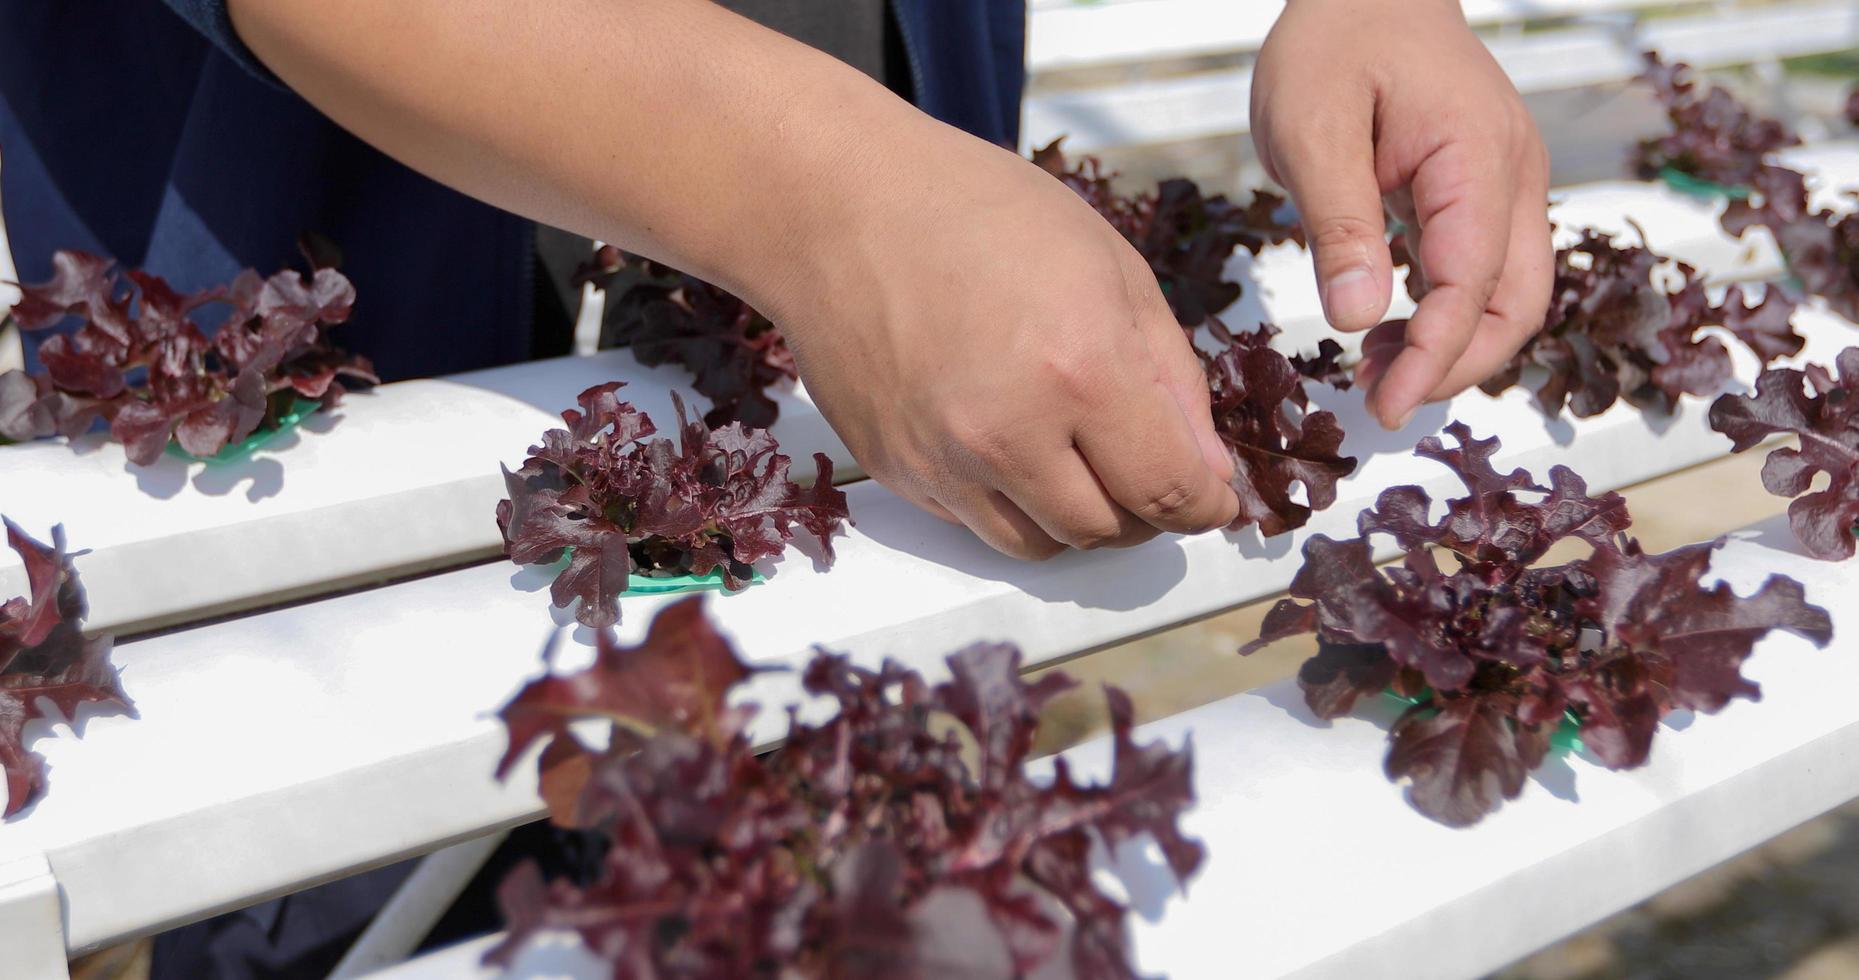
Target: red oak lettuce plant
734 354
44 655
1498 649
716 500
1823 411
1263 415
141 362
1714 137
1613 331
899 838
1820 246
1186 236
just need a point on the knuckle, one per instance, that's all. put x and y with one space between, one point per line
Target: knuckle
1338 236
1169 503
976 434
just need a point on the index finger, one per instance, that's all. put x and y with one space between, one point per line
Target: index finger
1463 202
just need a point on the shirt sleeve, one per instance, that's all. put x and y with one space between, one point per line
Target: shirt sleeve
211 19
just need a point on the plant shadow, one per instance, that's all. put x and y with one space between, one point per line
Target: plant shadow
264 474
47 726
1287 697
1138 865
1773 533
162 479
1556 775
1251 546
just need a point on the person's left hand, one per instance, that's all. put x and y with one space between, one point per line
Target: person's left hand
1354 101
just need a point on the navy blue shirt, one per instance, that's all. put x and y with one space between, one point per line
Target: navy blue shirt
147 132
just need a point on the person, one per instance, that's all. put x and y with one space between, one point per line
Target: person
984 343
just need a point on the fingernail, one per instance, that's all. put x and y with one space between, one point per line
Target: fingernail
1349 293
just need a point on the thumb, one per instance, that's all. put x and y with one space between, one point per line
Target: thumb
1331 177
1181 372
1186 381
1179 368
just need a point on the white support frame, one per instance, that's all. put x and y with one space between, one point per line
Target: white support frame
30 919
416 906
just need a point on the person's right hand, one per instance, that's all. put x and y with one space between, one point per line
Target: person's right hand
991 349
983 342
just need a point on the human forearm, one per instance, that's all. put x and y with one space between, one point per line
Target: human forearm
671 127
982 341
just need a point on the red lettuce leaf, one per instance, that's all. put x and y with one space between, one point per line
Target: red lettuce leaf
45 655
81 285
624 503
734 353
1821 247
139 361
1262 414
1823 412
1614 331
1714 137
875 842
1494 652
1186 236
1325 366
1464 758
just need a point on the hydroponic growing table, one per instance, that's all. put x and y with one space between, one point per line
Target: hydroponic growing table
1357 884
291 746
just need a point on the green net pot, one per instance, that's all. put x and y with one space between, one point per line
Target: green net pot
1565 739
235 452
1698 187
637 584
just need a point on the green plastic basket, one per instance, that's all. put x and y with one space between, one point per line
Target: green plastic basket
637 584
1567 736
302 409
1684 183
